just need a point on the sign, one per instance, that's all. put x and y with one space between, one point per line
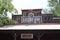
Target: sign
26 36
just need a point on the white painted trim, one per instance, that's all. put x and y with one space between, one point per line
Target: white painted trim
26 34
56 18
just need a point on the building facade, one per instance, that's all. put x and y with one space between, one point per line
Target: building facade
33 16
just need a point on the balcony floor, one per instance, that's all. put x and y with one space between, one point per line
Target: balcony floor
32 26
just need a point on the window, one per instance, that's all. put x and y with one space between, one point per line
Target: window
30 14
26 36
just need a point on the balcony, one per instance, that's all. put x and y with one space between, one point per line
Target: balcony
35 19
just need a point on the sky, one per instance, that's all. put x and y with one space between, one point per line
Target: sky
29 4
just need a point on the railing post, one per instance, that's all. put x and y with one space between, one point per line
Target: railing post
40 35
41 19
14 36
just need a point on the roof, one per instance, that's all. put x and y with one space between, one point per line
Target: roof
46 13
16 14
56 17
30 9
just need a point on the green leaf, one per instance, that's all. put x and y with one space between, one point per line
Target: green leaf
56 7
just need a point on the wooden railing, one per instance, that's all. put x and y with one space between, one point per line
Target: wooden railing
35 19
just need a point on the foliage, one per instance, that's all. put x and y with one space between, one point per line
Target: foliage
55 7
13 22
7 21
6 7
1 24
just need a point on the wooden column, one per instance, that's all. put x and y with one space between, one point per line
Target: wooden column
40 35
14 36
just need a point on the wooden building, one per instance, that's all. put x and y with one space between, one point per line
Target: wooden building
33 16
29 34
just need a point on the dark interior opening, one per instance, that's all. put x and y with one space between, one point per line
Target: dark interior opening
51 36
36 36
6 36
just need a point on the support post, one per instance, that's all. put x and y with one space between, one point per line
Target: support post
40 35
14 36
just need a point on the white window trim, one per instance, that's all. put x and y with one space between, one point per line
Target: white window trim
26 37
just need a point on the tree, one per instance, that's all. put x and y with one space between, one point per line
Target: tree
6 7
55 7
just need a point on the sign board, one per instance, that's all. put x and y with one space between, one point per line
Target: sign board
26 36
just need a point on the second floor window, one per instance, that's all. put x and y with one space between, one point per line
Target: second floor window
30 14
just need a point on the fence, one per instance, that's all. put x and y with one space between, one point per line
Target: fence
35 19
